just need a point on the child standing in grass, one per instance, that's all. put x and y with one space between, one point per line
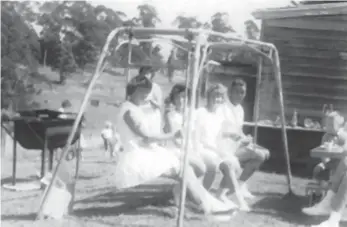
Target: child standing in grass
111 139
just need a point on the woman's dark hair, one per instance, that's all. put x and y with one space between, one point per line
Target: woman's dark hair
138 82
175 91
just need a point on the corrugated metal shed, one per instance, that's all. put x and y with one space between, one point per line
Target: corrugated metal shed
312 43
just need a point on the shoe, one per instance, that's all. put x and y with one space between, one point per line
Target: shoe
228 202
317 210
246 193
327 223
244 207
176 191
46 179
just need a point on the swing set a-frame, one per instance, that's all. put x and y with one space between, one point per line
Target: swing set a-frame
199 50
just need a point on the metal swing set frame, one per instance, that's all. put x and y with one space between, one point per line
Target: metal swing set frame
197 61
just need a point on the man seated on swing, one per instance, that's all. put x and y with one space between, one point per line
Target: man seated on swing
250 155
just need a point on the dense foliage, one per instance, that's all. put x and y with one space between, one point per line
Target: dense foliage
71 36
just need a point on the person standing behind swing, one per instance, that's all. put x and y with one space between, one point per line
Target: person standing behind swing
250 155
153 106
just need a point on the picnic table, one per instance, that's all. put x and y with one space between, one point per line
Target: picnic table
39 130
300 141
324 152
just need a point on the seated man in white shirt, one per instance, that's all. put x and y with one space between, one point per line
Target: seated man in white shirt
250 156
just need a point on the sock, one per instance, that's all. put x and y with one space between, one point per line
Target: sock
330 194
335 217
222 192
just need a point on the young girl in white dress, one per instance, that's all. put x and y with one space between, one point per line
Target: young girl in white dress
209 136
143 159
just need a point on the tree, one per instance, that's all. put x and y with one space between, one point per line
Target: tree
148 17
219 23
188 22
19 50
179 57
74 33
252 30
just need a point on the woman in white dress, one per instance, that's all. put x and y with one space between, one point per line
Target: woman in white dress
209 143
175 122
143 159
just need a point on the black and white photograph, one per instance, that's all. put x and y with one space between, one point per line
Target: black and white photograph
160 113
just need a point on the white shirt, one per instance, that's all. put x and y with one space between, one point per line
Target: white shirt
156 94
233 117
107 133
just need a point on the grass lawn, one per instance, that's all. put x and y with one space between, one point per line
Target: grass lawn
99 204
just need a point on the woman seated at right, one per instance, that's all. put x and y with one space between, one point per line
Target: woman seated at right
334 123
144 159
335 200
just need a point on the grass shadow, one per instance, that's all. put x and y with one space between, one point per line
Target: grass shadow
87 177
8 180
286 208
19 217
124 201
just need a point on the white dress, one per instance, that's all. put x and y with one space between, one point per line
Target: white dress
140 162
208 127
177 123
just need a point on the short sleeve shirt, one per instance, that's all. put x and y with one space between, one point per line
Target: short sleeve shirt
233 117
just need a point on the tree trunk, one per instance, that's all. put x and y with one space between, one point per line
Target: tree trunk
45 58
62 77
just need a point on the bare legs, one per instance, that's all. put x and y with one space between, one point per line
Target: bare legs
251 159
230 182
200 195
335 200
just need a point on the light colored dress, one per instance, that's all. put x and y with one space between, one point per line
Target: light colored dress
140 162
208 135
177 123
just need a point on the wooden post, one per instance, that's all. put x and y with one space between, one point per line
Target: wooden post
43 156
14 159
3 141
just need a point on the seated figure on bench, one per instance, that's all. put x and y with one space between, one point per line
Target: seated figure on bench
335 199
333 127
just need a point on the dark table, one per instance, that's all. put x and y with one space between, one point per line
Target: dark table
41 130
300 142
